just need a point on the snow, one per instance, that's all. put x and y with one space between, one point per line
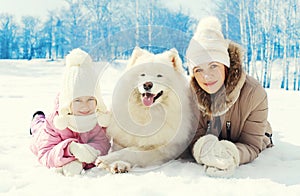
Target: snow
27 86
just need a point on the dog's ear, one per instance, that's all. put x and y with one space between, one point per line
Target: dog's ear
136 53
174 57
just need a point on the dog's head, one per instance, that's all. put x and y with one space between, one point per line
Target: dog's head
152 97
153 77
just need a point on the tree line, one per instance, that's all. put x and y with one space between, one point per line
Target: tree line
109 29
270 31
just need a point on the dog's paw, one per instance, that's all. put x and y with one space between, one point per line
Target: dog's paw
98 161
120 167
112 166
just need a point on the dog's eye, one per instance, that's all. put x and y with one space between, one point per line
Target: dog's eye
142 74
159 75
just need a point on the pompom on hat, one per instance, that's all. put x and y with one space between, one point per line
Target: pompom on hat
208 44
79 79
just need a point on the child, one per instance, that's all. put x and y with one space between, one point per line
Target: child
73 135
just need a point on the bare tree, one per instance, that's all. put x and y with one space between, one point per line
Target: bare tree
8 34
30 34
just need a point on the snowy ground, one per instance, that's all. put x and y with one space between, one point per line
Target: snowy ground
27 86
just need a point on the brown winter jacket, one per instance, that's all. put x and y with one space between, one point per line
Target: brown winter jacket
240 109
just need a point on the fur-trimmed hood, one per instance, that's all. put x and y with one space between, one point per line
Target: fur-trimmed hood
220 103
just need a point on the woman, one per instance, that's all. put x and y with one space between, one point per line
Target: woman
233 127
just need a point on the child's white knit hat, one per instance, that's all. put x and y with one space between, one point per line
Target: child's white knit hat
208 44
79 79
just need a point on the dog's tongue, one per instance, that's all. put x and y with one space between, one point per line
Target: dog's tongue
148 99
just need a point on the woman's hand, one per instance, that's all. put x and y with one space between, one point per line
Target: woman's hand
220 158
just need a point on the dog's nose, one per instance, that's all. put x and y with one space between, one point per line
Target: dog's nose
147 85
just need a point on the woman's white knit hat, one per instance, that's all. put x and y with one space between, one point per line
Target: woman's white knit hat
208 44
79 79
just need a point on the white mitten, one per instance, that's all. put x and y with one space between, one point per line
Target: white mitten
224 155
215 172
203 147
72 168
219 157
84 152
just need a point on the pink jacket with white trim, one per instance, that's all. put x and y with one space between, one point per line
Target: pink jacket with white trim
51 145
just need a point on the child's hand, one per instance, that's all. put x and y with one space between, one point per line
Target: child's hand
84 152
72 168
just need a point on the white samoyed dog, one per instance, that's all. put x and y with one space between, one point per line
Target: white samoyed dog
153 113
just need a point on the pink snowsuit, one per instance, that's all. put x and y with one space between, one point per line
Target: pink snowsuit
51 145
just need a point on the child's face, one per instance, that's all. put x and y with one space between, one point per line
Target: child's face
84 105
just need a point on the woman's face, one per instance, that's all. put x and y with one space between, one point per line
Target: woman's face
210 77
84 105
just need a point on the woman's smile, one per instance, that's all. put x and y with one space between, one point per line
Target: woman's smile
210 83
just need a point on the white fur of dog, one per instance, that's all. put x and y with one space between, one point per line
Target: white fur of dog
153 111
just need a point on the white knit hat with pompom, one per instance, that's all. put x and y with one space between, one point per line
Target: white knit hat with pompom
80 79
208 44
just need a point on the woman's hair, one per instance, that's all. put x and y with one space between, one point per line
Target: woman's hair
226 75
